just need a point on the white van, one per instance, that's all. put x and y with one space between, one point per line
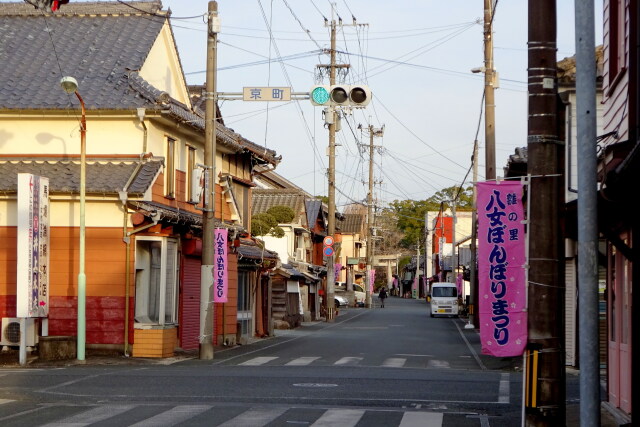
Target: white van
444 299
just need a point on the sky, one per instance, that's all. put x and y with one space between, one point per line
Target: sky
415 56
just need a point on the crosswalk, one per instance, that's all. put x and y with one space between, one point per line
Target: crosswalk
391 362
160 415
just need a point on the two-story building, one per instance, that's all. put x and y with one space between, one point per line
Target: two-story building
144 144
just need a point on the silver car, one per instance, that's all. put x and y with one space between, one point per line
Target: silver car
340 301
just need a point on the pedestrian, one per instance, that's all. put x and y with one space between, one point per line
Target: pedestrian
382 295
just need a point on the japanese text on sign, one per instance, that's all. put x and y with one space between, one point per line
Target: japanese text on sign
266 94
501 258
220 269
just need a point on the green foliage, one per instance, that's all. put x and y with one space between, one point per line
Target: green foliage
267 218
282 214
324 199
259 227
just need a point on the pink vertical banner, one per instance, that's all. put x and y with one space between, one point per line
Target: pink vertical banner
501 274
459 281
372 279
220 267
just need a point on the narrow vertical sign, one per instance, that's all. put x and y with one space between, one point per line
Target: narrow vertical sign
501 274
220 267
32 293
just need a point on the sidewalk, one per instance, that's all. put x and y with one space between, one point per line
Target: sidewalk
607 419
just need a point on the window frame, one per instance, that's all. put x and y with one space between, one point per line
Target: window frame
192 160
168 284
170 168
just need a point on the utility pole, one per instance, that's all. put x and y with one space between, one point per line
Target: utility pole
473 279
546 250
208 212
489 99
332 121
372 132
587 215
331 275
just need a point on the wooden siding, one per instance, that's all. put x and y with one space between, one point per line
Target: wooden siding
190 303
615 97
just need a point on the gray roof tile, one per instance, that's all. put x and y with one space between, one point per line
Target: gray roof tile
98 50
103 176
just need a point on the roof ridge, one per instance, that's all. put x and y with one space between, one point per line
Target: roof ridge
95 8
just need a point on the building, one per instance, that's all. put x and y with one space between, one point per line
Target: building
144 142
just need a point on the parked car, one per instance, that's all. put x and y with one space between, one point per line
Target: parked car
340 301
359 295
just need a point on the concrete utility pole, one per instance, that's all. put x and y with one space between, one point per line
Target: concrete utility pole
208 229
370 238
546 247
453 241
587 215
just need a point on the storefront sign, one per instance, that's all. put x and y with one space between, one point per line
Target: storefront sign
220 266
32 292
501 273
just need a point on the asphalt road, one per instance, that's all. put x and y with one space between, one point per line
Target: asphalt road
392 366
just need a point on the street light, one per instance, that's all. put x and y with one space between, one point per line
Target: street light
70 85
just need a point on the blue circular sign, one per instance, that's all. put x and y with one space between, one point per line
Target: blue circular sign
327 251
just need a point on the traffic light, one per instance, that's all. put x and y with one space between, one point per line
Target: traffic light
355 96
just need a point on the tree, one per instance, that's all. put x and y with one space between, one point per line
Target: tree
264 224
282 214
464 199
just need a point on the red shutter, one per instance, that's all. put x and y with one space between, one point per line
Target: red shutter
190 303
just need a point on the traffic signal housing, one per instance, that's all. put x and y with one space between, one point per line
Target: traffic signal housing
355 96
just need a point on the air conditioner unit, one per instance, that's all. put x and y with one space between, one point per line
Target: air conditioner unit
300 254
10 332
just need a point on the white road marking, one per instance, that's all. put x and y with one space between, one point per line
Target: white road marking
255 417
256 361
3 401
438 364
339 417
504 388
302 361
422 419
348 361
94 415
394 362
173 416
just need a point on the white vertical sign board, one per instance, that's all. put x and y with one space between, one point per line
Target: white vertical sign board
33 246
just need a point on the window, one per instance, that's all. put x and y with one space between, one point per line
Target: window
244 303
617 22
241 197
444 292
156 280
170 171
191 165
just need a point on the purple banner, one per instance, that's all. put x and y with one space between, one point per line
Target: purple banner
501 274
372 279
220 267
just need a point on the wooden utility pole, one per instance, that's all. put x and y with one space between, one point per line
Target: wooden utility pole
489 98
370 234
208 213
331 274
546 251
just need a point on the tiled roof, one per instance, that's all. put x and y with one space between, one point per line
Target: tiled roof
102 45
263 200
314 207
170 214
255 252
352 223
103 176
96 43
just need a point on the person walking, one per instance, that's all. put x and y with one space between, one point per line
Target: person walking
382 295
